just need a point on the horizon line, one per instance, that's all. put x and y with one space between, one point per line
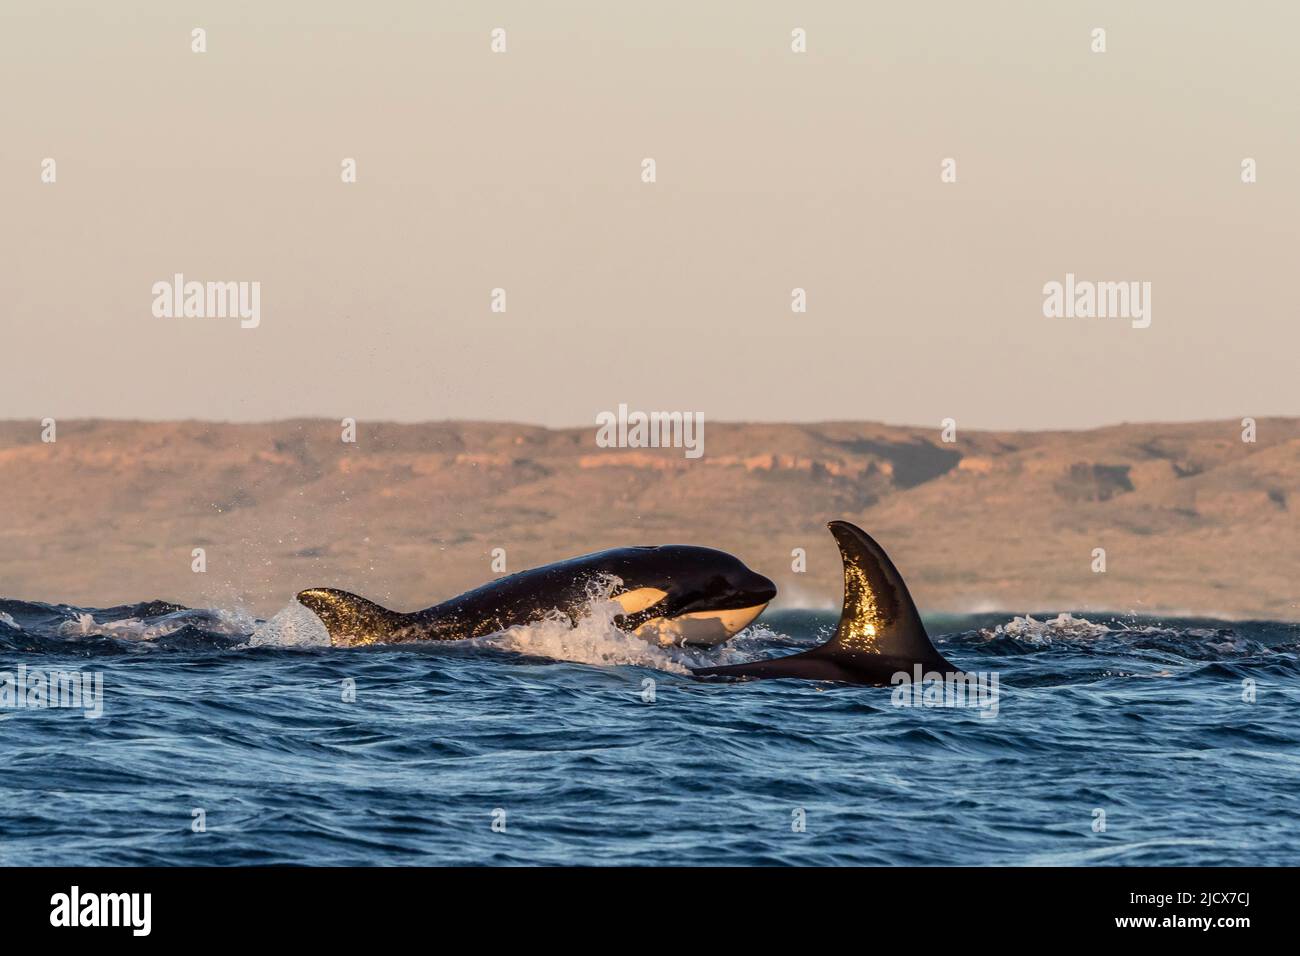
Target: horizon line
561 428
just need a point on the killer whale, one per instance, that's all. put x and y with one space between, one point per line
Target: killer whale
879 635
679 594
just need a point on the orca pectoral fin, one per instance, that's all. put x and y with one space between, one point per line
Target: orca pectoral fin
879 633
352 620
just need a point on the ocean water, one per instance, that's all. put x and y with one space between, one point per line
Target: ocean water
225 740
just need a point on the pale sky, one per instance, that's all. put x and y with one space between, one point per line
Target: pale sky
775 170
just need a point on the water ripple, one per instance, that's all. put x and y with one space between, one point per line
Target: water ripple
1130 741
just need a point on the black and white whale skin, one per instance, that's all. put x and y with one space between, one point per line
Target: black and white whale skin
879 635
672 594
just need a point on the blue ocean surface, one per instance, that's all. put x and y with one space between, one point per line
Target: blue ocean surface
224 740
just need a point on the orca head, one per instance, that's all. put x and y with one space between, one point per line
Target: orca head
681 594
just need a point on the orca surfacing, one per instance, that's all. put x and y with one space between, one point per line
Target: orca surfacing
676 594
879 634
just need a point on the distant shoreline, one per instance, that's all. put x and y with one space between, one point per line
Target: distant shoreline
1189 516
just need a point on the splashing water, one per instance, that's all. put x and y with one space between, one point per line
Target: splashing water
292 626
1065 626
151 627
595 639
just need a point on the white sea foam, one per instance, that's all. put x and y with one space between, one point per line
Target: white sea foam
292 626
135 629
6 619
1065 626
127 629
593 640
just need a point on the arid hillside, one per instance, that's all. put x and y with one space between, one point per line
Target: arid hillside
1192 519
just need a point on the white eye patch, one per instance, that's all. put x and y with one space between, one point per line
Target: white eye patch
640 599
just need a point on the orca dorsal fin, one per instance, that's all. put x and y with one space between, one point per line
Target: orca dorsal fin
879 634
879 617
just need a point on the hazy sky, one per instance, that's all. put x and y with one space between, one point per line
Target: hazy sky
775 170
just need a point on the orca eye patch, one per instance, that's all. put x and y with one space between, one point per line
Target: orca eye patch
639 599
